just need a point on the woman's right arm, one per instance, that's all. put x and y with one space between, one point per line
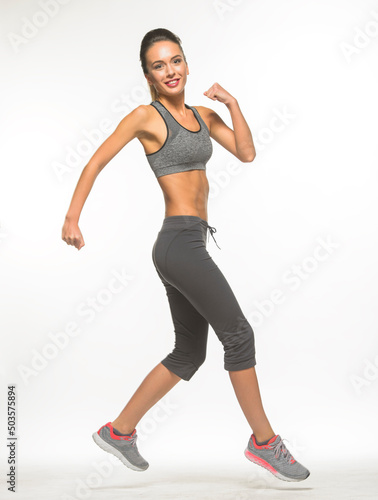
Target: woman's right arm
131 126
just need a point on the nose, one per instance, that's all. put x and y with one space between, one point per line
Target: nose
170 70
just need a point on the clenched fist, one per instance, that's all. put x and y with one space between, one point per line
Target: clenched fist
71 234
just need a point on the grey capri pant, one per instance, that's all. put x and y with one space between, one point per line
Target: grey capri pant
199 295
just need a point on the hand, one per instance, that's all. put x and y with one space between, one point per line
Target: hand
71 234
218 93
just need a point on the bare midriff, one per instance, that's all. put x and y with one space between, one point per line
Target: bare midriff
185 193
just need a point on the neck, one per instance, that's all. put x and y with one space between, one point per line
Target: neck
175 103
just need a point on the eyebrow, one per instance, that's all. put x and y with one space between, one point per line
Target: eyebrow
178 55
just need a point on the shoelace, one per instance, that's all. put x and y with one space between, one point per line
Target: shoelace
212 231
279 448
133 440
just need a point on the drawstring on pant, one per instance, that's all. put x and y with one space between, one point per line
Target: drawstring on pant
212 230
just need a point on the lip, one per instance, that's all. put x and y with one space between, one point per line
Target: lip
177 80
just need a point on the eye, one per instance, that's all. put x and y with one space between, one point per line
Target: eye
179 60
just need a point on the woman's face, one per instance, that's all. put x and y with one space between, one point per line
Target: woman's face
165 62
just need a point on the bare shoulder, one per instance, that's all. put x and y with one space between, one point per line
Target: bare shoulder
141 112
143 109
140 119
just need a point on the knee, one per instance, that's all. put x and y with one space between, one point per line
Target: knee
193 363
239 346
184 365
199 359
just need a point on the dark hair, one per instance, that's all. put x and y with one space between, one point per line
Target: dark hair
153 36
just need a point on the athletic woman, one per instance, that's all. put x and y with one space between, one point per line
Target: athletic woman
177 145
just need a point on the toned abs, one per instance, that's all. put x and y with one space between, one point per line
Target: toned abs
185 193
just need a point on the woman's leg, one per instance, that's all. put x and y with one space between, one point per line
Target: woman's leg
201 295
184 262
191 332
155 385
247 391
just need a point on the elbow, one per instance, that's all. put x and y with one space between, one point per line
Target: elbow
249 158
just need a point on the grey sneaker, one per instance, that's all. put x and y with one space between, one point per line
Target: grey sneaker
276 458
122 447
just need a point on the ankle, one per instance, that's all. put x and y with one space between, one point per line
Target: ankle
263 438
122 428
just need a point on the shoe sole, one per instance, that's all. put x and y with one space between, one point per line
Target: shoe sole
259 461
110 449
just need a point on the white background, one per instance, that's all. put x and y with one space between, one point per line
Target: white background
314 179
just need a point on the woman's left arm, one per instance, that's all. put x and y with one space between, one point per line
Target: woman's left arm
239 141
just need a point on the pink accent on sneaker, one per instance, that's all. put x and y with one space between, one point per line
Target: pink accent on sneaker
260 461
114 436
263 446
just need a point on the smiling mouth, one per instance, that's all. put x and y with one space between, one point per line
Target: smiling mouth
173 83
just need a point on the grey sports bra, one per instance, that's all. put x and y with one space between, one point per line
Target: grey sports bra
183 149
